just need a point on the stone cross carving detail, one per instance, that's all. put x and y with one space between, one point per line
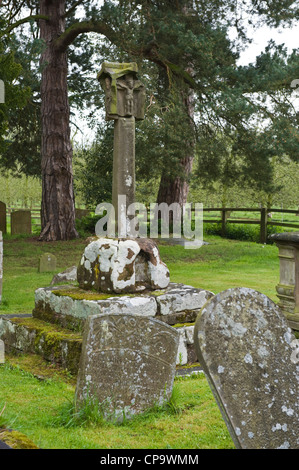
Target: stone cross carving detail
124 103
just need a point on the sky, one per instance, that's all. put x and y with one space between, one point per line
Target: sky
261 37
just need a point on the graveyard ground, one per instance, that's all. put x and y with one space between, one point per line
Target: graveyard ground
38 398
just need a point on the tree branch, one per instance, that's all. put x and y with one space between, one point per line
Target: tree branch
70 34
22 21
150 52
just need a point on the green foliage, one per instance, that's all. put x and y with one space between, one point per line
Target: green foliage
16 95
240 191
240 117
94 169
86 225
242 232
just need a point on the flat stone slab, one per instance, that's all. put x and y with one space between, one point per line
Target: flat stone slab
249 356
178 298
285 237
175 304
127 363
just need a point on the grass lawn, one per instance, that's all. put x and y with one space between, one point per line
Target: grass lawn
38 402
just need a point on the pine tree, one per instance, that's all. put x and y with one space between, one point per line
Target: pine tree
187 41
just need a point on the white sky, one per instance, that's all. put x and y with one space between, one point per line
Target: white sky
287 36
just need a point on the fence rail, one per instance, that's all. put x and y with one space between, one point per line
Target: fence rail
263 220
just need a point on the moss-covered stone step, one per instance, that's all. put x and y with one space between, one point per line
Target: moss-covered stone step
31 335
16 440
70 306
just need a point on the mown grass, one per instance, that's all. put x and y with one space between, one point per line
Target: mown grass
39 403
40 409
217 266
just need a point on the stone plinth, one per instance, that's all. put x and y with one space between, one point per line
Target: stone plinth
178 305
288 286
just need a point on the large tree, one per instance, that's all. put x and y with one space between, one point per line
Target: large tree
188 43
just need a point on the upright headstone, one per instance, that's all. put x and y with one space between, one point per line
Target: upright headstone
124 101
127 363
20 222
248 353
2 352
79 213
47 263
3 227
1 265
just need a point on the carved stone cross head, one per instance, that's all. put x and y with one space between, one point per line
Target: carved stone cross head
124 93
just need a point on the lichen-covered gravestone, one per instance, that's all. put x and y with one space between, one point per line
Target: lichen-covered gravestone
2 217
1 265
127 363
2 352
248 354
47 263
20 222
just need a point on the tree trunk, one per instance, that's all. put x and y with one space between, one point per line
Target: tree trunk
58 207
175 189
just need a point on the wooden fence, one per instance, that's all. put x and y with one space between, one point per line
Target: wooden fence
225 216
35 213
264 219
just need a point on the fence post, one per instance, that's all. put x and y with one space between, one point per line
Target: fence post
223 221
264 219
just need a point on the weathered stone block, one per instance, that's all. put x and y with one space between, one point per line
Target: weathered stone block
178 299
109 265
67 307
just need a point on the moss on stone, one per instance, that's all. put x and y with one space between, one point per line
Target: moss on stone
81 294
180 325
16 440
40 326
56 344
40 368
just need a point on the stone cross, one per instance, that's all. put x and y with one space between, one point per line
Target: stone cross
124 102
